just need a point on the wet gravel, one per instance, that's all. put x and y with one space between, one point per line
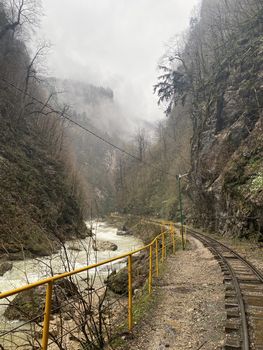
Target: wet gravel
190 312
252 251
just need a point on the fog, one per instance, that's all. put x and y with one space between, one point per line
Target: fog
114 43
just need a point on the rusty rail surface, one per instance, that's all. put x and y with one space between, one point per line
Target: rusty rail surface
243 296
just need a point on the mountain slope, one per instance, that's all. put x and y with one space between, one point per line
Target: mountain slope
39 202
37 206
227 153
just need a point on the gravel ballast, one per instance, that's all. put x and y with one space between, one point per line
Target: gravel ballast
190 308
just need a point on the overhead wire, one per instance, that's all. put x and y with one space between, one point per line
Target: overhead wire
68 117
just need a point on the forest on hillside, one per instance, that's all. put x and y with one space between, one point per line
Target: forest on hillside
211 89
92 192
54 173
41 199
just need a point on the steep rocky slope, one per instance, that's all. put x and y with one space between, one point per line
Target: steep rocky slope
39 202
95 109
37 207
227 148
218 69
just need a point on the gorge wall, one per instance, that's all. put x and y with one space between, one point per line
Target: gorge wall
212 76
227 145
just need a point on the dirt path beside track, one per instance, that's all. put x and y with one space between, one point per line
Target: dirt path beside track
190 313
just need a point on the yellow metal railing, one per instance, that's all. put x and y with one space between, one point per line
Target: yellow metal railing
153 247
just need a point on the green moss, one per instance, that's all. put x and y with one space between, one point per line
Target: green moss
26 305
142 305
257 183
255 162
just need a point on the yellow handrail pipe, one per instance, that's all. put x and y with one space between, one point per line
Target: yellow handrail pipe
51 280
47 315
156 258
130 316
150 268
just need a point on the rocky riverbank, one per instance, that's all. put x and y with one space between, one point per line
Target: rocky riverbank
117 281
134 225
73 297
73 255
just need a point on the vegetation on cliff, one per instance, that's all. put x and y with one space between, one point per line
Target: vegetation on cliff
53 174
212 89
40 196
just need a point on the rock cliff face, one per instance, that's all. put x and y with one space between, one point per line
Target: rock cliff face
37 207
218 71
227 147
40 193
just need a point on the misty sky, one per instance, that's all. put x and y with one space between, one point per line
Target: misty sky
116 43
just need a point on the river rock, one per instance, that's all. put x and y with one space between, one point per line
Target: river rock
89 232
104 245
26 305
117 280
31 303
123 233
4 267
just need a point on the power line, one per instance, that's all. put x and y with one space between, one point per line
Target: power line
68 117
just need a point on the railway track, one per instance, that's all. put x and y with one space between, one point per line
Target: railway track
243 296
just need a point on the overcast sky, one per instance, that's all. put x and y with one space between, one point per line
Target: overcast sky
115 43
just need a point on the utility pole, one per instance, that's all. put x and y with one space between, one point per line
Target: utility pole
181 207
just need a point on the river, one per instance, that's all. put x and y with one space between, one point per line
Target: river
31 270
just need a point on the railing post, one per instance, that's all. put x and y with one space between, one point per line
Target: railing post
130 320
150 269
48 305
173 233
182 235
163 246
156 258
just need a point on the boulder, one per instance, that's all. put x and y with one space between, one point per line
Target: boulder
104 245
124 233
4 267
66 287
31 303
26 305
117 281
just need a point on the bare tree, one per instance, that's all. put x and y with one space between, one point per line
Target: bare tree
21 15
162 139
141 143
32 78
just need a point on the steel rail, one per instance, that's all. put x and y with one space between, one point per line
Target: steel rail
250 265
245 332
245 261
215 246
